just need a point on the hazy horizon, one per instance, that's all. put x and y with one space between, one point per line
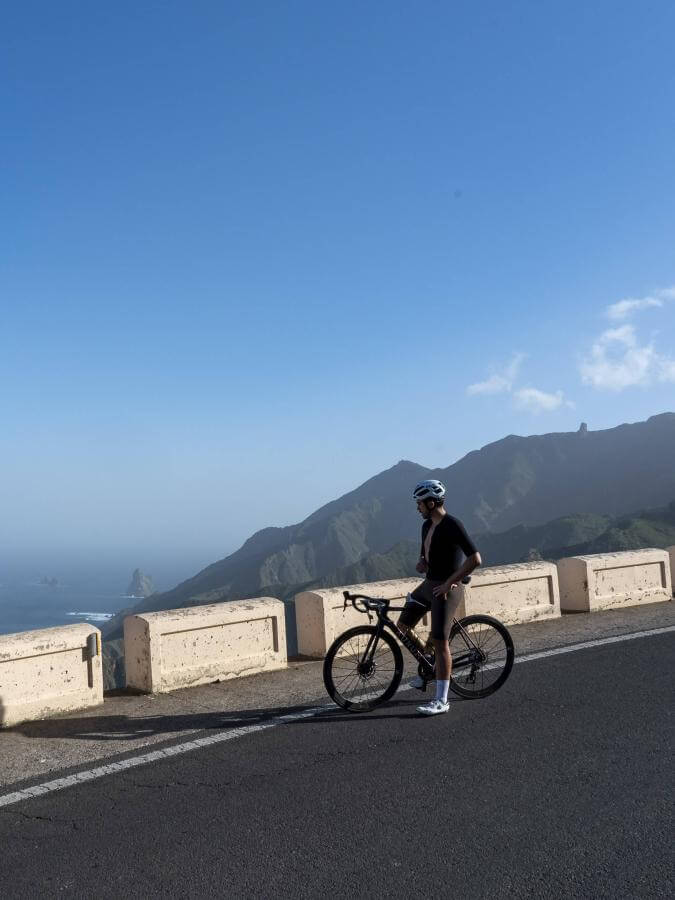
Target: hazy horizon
251 257
168 566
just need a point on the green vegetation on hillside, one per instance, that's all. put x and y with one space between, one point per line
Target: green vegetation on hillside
568 536
650 528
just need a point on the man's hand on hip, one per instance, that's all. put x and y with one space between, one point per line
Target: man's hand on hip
442 589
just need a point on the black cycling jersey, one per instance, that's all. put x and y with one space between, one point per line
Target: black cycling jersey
449 543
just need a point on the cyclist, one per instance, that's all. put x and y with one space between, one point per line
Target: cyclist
444 543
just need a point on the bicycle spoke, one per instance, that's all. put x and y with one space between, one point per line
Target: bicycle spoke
362 669
353 682
492 640
345 677
344 662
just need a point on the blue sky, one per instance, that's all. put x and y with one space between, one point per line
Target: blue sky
267 250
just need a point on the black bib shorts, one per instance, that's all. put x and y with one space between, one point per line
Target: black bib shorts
443 609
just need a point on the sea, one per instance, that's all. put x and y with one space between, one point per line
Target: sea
34 596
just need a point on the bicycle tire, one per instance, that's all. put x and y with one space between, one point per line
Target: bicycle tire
354 691
497 656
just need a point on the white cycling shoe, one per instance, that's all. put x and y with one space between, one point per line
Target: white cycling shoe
433 708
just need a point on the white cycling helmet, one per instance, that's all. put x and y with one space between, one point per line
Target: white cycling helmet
429 490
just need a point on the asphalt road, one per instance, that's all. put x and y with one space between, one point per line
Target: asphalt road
558 785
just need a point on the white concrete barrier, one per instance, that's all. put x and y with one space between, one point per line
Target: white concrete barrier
610 580
514 594
181 648
523 592
320 616
50 671
671 553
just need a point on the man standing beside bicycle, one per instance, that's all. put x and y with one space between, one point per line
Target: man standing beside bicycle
447 556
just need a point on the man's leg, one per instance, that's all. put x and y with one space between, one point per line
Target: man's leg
417 605
443 659
443 610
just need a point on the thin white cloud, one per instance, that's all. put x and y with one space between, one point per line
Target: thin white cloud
625 308
496 384
536 401
499 382
666 369
625 335
530 399
617 361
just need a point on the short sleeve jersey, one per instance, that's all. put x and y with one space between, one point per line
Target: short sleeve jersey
449 545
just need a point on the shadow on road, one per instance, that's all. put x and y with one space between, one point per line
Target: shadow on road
132 728
122 727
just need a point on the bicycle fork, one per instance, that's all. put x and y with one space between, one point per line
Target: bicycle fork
366 664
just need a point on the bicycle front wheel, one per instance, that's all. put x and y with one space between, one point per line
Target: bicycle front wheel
482 656
362 668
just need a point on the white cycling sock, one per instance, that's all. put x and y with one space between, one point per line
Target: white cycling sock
442 688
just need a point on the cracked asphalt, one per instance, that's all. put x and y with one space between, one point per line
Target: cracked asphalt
559 784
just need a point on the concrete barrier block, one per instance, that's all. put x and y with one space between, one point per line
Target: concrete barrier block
523 592
611 580
671 553
320 616
180 648
50 671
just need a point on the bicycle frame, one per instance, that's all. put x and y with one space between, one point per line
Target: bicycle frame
459 661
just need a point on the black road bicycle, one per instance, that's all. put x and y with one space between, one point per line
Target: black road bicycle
364 666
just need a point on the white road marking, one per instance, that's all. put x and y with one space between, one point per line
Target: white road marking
111 768
570 648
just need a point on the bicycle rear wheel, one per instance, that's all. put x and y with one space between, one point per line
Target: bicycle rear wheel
362 668
482 656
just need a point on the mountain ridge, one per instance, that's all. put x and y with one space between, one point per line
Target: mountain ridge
510 482
647 528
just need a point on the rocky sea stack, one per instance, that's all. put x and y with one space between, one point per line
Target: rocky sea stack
140 585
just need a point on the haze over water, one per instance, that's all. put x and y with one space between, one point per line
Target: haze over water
84 587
